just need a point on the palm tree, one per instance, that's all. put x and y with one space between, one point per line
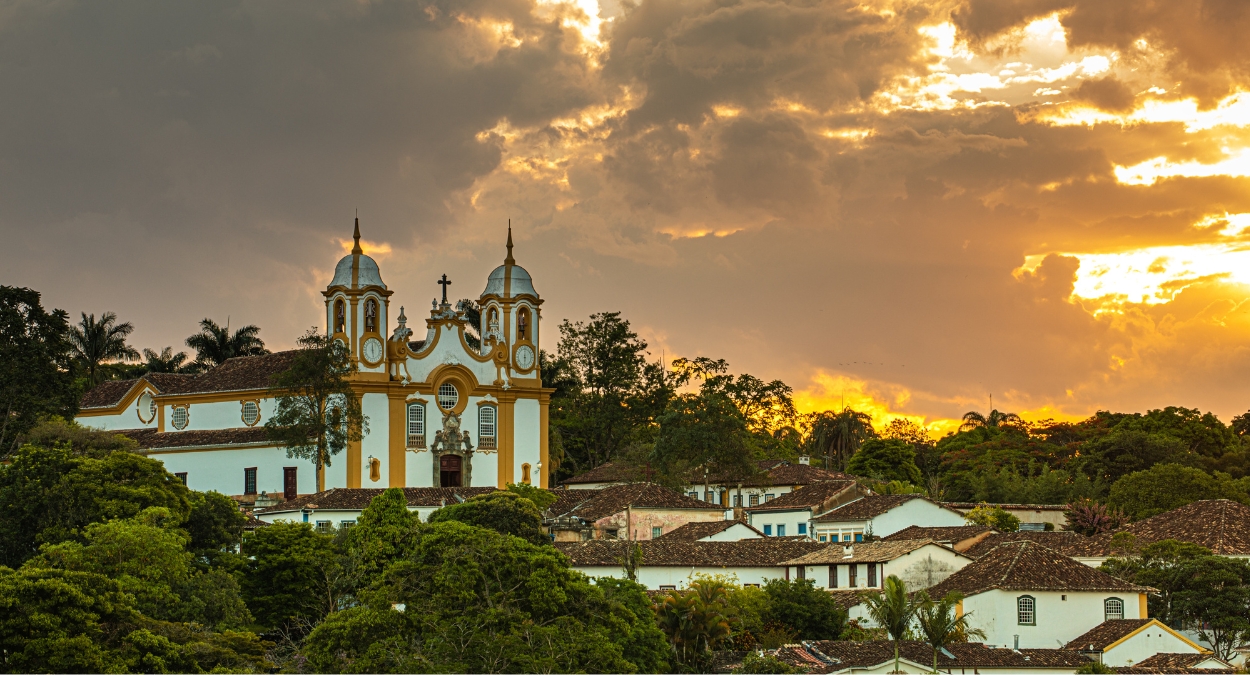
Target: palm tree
214 344
837 436
893 610
975 420
166 361
941 626
696 620
97 345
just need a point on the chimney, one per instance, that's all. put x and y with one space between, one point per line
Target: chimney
805 460
848 551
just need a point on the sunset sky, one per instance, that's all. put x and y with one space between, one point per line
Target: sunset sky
915 205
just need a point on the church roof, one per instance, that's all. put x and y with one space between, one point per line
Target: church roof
151 439
509 281
365 268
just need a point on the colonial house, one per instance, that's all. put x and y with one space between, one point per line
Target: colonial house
1023 594
340 507
1131 642
638 511
959 537
725 530
792 513
674 563
1032 516
919 563
881 516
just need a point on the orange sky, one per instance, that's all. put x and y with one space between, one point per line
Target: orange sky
915 205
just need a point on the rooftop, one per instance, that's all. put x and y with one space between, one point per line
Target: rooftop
952 535
665 552
1177 663
1221 525
1107 633
241 373
844 655
151 439
1028 566
614 499
968 506
1068 543
869 506
357 499
806 497
877 551
697 531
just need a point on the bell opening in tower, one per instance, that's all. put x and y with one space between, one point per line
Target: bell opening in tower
523 324
449 471
340 317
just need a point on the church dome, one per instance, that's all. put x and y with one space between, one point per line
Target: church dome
509 280
366 268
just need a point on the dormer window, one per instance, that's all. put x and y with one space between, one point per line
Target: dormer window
371 316
340 316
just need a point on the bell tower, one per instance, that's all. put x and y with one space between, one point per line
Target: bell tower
357 308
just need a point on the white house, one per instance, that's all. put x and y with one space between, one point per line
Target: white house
725 530
919 563
959 537
1130 642
792 514
674 563
1023 594
881 516
340 507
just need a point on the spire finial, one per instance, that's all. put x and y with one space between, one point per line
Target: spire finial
356 249
509 260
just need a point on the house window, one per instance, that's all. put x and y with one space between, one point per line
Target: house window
612 534
801 572
656 532
344 524
1113 608
180 417
852 575
737 501
833 576
802 528
416 425
872 575
525 473
1026 610
147 406
755 500
448 396
781 530
667 587
859 536
846 537
182 476
324 527
249 481
486 416
692 495
251 413
709 497
768 497
768 530
824 538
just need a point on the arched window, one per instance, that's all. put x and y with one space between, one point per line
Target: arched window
1026 610
1113 608
340 316
525 473
448 396
371 316
523 324
416 425
486 427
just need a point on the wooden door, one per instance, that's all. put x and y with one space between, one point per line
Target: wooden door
449 467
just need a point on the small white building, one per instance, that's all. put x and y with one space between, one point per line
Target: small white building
674 563
338 508
725 530
1130 642
792 514
1024 595
882 516
919 563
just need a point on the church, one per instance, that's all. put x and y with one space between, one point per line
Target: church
442 410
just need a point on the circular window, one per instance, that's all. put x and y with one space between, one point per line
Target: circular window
180 418
448 396
251 413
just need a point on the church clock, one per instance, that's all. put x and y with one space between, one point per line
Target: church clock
525 357
372 350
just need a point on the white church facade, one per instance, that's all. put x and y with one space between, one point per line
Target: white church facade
440 411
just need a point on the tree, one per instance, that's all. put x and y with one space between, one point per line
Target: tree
384 530
1164 487
291 578
702 431
764 663
1215 596
1088 517
1163 565
35 376
504 512
56 432
215 344
941 625
886 460
166 361
96 345
317 413
801 606
214 527
993 517
837 436
892 610
974 420
696 620
643 644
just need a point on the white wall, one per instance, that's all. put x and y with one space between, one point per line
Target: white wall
914 512
791 519
921 568
128 418
735 532
419 466
377 444
1058 620
1145 644
656 575
526 432
222 470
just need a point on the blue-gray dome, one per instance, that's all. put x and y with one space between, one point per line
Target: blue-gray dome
357 264
509 281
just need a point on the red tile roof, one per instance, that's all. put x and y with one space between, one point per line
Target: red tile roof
356 499
1221 525
150 439
1027 566
953 534
877 551
869 506
808 497
1068 543
241 373
1106 633
614 499
664 552
697 531
1177 663
106 394
844 655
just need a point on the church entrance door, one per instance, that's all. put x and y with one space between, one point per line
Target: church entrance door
449 470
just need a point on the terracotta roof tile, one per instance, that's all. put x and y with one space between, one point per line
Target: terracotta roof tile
1028 566
106 394
697 531
1221 525
867 507
953 534
567 500
352 499
808 497
1170 662
150 439
877 551
1104 634
664 552
1068 543
241 373
848 655
614 499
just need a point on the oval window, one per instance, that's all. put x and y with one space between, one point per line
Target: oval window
180 418
448 396
251 413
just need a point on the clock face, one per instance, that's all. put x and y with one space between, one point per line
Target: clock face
525 357
373 350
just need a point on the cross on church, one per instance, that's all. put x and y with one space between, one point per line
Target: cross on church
444 283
